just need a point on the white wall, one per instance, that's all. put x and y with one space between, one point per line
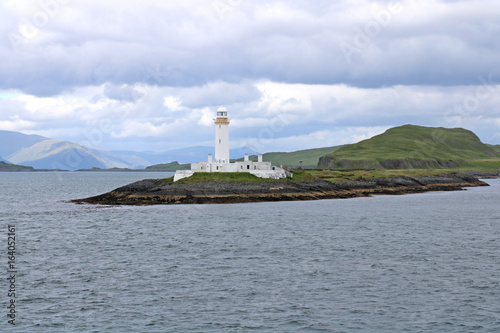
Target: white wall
222 143
259 169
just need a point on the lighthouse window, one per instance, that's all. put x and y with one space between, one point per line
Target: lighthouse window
219 140
219 126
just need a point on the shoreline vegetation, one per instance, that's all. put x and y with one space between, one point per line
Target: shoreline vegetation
219 188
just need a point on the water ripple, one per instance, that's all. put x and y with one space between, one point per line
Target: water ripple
414 263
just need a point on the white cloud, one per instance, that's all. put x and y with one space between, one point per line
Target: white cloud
434 42
158 70
206 118
16 124
300 114
172 103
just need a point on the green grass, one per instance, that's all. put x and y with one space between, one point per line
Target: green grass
233 177
168 180
328 175
495 147
485 165
338 176
417 143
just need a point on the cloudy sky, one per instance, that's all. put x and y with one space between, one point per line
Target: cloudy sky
296 74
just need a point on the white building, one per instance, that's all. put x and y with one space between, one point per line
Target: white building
221 161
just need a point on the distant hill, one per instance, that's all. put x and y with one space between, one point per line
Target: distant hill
59 154
173 166
411 146
13 167
121 159
401 147
308 157
10 142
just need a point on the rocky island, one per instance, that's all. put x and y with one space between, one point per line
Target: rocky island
405 159
231 188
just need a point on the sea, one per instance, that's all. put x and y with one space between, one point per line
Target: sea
425 262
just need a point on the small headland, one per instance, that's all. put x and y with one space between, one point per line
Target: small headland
218 188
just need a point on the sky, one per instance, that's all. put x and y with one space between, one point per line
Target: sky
149 75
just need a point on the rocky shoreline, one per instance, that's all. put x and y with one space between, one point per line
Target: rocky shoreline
164 191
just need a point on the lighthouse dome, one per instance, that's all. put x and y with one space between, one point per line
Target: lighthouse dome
222 112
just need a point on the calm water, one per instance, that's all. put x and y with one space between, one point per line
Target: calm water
415 263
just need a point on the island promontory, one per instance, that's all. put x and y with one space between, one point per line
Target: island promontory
405 159
240 188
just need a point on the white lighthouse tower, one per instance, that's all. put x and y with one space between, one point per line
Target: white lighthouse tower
221 136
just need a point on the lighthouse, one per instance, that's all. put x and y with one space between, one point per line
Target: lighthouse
221 136
221 163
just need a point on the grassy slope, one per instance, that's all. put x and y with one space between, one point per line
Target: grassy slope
422 143
222 177
13 167
309 157
172 166
235 177
339 176
494 147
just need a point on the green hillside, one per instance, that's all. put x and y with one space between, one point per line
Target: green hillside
309 157
13 167
410 146
172 166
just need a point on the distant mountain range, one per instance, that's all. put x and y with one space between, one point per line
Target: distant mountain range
45 153
11 142
402 147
